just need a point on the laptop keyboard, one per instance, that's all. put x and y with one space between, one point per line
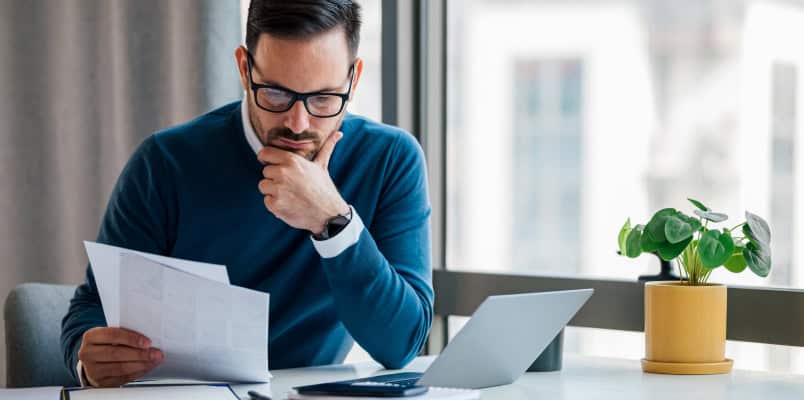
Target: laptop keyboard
402 379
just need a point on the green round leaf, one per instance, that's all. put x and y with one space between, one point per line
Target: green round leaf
655 227
748 234
677 230
736 263
648 245
759 228
694 222
715 248
668 251
758 258
753 238
711 216
698 204
624 231
633 247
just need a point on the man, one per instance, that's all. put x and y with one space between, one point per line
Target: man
327 212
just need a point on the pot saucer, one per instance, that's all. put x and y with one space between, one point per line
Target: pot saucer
675 368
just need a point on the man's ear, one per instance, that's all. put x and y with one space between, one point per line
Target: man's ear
358 73
241 58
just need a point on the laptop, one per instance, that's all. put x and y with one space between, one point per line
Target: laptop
501 340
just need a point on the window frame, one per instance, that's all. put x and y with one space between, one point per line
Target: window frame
414 45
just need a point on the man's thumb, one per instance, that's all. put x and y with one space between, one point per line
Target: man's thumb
323 156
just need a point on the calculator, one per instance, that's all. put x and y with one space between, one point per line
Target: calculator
390 385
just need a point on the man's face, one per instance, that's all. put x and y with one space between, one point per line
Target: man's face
318 64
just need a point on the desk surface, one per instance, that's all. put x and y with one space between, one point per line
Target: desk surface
584 378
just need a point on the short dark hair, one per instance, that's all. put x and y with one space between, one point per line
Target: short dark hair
293 19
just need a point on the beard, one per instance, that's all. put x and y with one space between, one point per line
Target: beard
271 136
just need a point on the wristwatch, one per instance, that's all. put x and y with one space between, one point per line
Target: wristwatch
334 226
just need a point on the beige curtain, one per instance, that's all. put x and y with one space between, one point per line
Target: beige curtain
82 82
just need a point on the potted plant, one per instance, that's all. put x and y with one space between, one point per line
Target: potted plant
685 320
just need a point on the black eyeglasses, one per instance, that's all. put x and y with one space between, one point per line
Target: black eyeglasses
277 99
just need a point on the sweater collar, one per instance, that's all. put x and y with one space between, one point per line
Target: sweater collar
251 136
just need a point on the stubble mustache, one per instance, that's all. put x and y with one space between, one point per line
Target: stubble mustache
282 132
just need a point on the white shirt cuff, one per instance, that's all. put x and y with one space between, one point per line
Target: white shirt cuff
335 245
79 371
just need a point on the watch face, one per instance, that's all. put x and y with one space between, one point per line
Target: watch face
339 220
335 225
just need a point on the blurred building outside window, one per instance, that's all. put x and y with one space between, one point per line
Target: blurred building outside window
565 118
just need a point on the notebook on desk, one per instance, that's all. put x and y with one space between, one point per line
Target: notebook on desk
161 392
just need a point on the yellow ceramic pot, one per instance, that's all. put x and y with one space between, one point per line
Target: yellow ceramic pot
685 329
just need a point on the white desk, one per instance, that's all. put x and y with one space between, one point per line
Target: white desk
584 378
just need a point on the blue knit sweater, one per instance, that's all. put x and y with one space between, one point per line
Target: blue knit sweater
191 192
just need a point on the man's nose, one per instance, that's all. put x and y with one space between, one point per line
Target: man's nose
297 119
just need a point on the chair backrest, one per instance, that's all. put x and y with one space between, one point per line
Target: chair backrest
33 313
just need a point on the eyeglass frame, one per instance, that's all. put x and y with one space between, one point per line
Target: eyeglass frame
297 96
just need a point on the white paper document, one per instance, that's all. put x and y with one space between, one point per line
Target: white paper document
105 261
207 330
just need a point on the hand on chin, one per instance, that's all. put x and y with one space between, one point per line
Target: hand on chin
298 189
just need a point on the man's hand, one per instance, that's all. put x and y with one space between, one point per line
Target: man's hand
301 192
115 356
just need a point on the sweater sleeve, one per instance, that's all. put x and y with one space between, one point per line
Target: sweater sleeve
138 217
382 285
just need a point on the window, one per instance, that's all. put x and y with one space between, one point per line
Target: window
784 88
564 118
547 159
368 99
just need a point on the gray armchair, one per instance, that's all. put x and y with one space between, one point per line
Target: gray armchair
33 313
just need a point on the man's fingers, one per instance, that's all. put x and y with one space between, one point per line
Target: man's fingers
135 376
273 155
111 353
270 203
115 374
119 336
276 172
325 153
267 187
111 382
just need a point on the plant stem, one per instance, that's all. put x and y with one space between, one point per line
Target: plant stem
737 226
691 261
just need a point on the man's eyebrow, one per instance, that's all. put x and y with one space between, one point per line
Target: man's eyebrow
271 83
283 87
